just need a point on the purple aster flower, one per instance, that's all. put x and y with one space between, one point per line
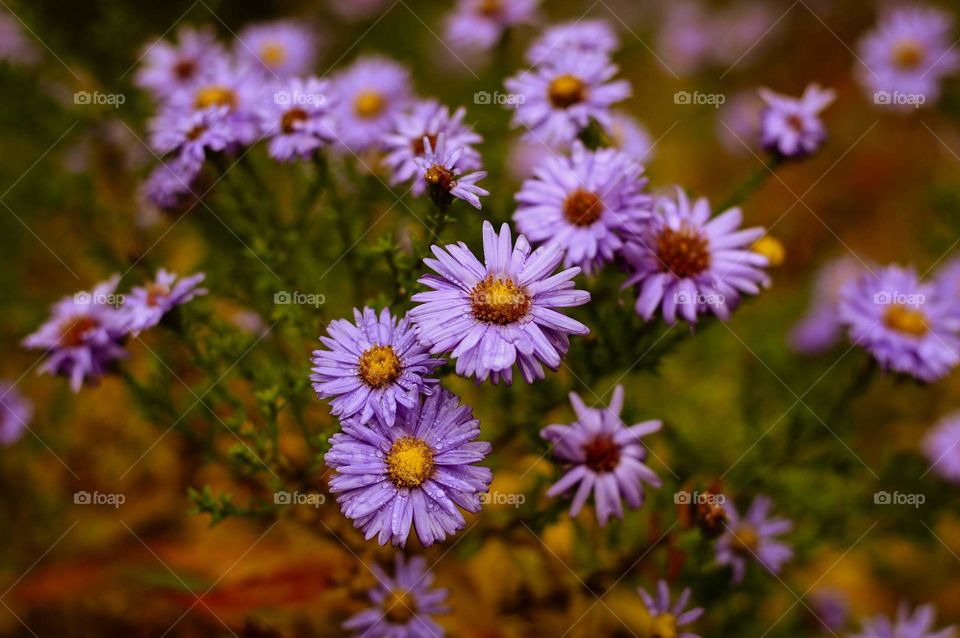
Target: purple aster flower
830 610
478 25
666 619
82 337
440 170
491 315
146 305
947 280
15 47
16 411
298 118
191 133
170 183
906 325
427 118
907 55
560 99
171 68
371 367
372 92
687 262
280 49
587 204
630 137
603 457
226 85
942 448
918 624
821 327
416 473
403 606
583 36
753 537
791 127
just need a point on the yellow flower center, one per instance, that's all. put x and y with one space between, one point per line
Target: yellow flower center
410 462
273 54
290 119
908 53
215 95
379 365
398 606
906 320
582 207
772 249
440 177
745 540
664 626
369 104
74 329
683 252
567 90
499 301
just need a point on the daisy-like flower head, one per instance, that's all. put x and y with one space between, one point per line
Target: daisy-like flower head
477 25
16 411
226 86
630 137
373 90
690 264
753 537
821 327
791 127
430 119
404 605
907 55
587 204
279 49
191 133
298 117
907 624
942 448
146 305
906 325
83 335
559 99
666 619
414 474
371 367
584 36
168 68
491 315
440 170
604 457
170 183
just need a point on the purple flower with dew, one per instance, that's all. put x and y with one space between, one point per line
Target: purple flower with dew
427 118
478 25
168 68
491 315
191 133
667 619
583 36
588 204
629 136
753 537
416 473
907 624
821 327
145 306
791 127
170 183
689 264
440 171
16 411
603 457
404 605
560 99
371 367
907 55
227 85
15 47
298 118
83 335
280 49
372 91
906 325
942 448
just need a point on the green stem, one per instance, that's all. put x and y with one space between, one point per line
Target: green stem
751 185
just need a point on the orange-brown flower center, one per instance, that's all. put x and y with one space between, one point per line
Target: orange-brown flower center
664 626
379 365
215 95
567 90
745 540
399 606
291 118
418 146
908 53
440 177
683 252
582 207
490 8
75 329
602 453
155 291
369 104
185 69
273 54
910 321
499 301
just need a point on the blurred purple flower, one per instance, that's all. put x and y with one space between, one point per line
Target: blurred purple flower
16 411
587 204
15 47
906 325
145 306
170 182
372 91
584 36
491 315
942 448
916 624
478 25
753 537
629 136
947 280
665 618
191 133
830 610
821 327
403 606
279 49
738 123
225 85
791 127
602 456
372 367
297 116
687 262
440 169
170 68
416 473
